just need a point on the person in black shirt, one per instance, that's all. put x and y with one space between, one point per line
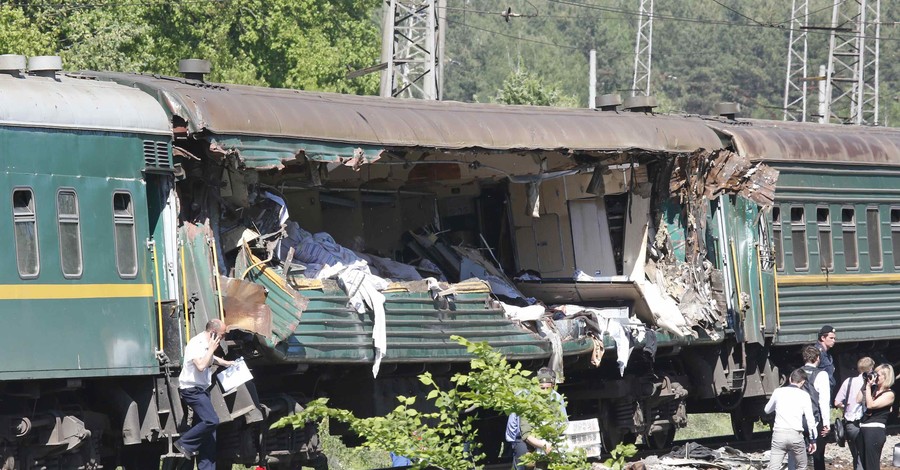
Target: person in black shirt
827 338
879 400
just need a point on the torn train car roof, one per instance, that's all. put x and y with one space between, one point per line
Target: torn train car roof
777 141
271 126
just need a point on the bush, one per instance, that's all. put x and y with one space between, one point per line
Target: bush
446 439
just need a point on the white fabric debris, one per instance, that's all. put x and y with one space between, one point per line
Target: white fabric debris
548 330
529 313
612 321
664 309
364 288
580 275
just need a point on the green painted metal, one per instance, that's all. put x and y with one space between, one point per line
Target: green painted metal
330 332
273 152
859 312
86 336
743 239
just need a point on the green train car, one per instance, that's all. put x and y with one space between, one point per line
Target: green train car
683 260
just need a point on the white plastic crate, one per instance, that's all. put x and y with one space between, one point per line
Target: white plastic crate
584 434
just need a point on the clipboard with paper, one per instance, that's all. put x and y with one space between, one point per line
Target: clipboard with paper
235 375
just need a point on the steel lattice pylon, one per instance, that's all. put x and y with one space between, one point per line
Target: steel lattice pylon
411 49
643 49
851 90
795 81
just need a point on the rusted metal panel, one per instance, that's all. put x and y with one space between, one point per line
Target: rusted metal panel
75 103
390 122
806 142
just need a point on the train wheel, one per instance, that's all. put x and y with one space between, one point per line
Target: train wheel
613 437
662 439
742 424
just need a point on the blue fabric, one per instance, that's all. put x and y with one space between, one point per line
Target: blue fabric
400 461
512 428
201 438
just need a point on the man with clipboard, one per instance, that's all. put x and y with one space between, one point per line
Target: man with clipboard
193 385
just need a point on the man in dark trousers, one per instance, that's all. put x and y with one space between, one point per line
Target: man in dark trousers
194 383
819 381
827 338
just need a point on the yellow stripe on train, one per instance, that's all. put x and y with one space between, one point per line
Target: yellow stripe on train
73 291
833 279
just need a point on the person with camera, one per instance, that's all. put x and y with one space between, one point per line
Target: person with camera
194 383
878 399
853 410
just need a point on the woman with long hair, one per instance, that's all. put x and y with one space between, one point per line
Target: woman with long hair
878 399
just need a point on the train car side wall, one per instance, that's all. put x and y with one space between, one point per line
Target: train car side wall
77 288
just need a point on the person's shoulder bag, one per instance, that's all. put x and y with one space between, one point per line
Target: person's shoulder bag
840 436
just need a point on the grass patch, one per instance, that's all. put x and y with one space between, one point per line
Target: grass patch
711 425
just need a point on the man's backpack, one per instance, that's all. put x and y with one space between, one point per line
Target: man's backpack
809 387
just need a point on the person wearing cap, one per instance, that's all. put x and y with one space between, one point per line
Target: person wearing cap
518 430
827 338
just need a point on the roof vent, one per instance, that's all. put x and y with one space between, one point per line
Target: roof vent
193 69
609 102
44 65
727 110
12 64
640 104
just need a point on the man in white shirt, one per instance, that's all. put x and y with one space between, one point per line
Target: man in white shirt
853 410
193 385
792 406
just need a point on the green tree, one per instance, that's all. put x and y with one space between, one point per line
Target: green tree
522 87
20 34
446 438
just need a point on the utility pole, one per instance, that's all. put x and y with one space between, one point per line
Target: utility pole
851 89
643 49
592 79
796 81
412 48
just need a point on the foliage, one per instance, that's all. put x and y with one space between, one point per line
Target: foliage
619 455
445 437
522 87
341 457
308 44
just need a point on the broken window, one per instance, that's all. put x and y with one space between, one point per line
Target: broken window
895 235
616 209
848 226
826 252
69 233
873 227
798 239
777 238
25 222
126 245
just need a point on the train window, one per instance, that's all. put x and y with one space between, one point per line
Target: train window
25 221
777 239
848 226
69 233
798 239
873 228
826 252
126 245
895 236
